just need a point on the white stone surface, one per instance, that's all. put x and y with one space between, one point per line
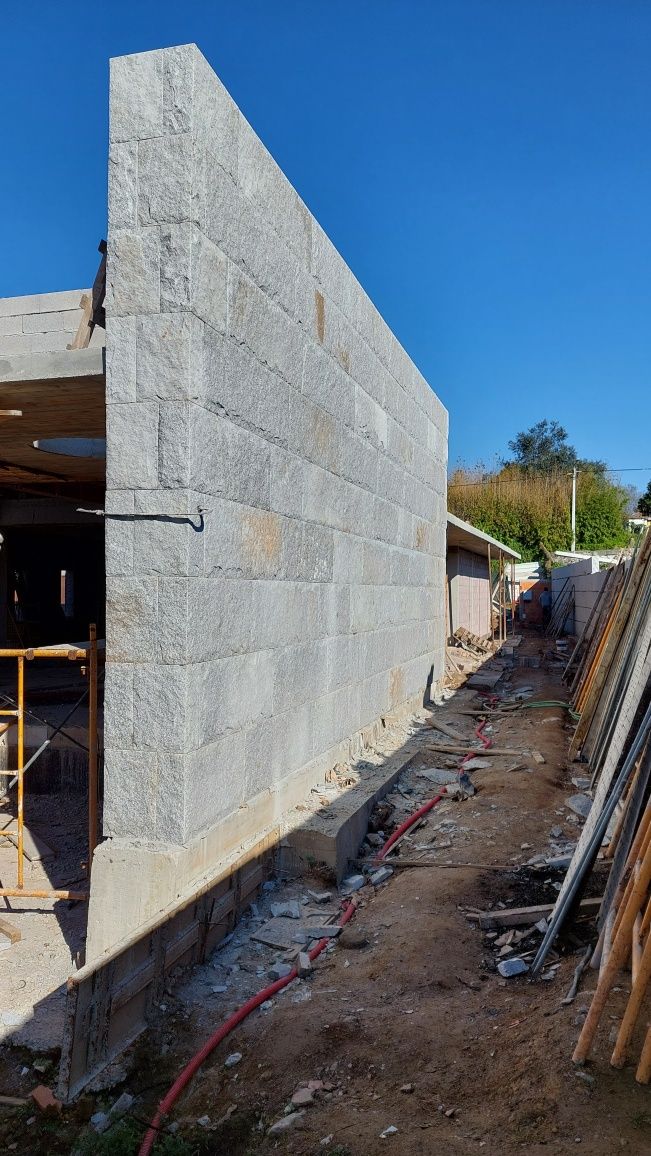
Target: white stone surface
250 377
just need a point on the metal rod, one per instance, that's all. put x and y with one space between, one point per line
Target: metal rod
57 730
590 851
25 893
74 653
92 747
46 722
490 595
512 596
573 509
20 758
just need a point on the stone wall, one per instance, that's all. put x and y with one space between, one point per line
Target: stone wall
41 323
248 377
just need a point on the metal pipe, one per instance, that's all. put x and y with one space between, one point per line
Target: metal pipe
23 893
92 747
490 595
73 653
58 730
573 509
20 756
46 722
512 596
592 847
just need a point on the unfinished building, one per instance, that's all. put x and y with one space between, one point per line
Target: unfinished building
274 496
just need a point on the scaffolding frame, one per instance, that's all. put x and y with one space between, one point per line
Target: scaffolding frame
17 717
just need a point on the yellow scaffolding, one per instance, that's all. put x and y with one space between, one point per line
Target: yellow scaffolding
17 717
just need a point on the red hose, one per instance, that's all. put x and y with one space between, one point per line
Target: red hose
479 731
399 831
226 1028
182 1081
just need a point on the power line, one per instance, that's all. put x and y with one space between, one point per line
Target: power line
495 480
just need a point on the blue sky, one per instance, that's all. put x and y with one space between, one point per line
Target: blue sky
482 165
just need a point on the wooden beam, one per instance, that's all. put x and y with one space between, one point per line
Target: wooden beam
517 916
12 933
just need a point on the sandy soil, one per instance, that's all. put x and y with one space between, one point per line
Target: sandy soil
406 1021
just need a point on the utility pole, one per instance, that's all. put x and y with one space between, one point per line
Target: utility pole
573 509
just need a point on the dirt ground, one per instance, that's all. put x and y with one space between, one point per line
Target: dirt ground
406 1021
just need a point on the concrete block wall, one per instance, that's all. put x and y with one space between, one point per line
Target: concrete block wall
469 594
587 580
248 376
41 323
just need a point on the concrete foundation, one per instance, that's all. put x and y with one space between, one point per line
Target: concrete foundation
275 499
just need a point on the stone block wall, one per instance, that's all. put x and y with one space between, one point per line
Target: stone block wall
248 377
41 323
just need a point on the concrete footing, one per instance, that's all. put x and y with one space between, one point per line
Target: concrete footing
133 880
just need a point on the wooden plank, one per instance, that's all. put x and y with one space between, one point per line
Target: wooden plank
34 848
437 725
481 751
82 337
109 1000
517 916
10 931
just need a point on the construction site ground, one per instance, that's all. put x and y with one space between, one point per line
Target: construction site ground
419 1044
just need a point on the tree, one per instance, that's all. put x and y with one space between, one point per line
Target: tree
543 449
644 504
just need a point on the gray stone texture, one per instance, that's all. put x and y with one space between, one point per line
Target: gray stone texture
41 323
250 378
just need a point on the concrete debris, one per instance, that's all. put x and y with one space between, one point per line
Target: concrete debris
439 776
477 764
276 933
537 757
232 1060
204 1121
464 788
586 1078
581 782
407 1088
580 804
286 1122
99 1122
279 971
290 910
556 833
303 1097
390 1131
381 876
305 966
219 988
122 1105
511 967
320 896
329 932
353 883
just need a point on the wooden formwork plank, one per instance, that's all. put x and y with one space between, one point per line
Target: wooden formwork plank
110 1000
